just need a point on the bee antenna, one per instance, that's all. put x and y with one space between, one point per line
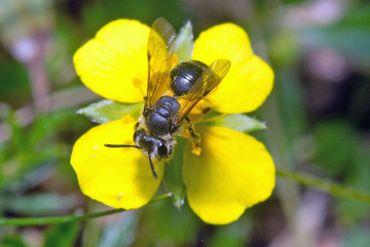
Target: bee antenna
152 167
120 146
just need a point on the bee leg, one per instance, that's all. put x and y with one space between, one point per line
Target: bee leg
152 167
195 142
192 132
195 138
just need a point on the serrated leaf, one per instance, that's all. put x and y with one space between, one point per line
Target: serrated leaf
183 44
240 122
173 175
107 110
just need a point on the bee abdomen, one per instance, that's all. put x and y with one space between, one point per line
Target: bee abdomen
184 75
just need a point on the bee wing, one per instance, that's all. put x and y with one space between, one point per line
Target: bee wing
161 37
206 83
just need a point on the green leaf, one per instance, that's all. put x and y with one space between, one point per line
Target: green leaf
107 110
121 232
357 177
63 235
37 204
232 235
173 175
335 146
169 226
13 241
33 221
183 44
324 185
240 122
290 102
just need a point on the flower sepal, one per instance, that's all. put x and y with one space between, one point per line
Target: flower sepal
173 179
183 44
106 111
240 122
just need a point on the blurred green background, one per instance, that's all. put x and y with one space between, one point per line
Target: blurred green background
318 120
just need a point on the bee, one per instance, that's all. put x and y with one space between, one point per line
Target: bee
172 92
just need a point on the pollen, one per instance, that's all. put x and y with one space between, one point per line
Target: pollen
174 60
137 82
196 150
127 119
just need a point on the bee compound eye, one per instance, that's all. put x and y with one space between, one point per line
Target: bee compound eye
162 150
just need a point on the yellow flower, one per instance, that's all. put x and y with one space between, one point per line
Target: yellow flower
233 172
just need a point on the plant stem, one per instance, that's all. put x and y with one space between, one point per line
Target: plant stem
300 178
49 220
324 185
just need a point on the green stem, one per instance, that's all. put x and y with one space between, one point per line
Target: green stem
303 179
324 185
37 221
49 220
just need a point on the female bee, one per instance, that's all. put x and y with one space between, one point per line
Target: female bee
171 94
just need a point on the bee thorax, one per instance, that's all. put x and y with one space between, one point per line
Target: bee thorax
161 119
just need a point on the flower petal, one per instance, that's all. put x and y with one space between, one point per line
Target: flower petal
244 88
223 41
249 80
118 177
233 172
114 63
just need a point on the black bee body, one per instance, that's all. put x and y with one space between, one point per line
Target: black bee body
158 124
161 119
184 75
